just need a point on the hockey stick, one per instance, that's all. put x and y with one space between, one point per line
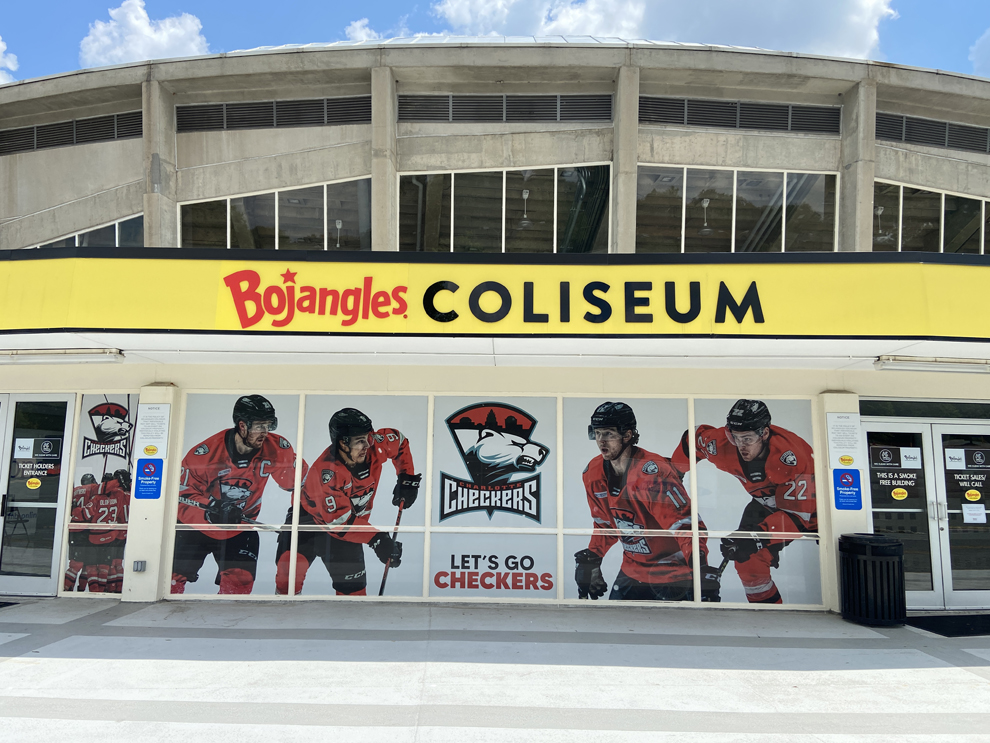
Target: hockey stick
244 519
723 566
398 518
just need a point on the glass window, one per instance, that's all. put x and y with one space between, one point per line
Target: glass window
529 211
349 215
424 212
204 225
104 237
886 216
920 221
708 215
582 209
478 212
759 212
986 227
65 242
130 232
810 212
300 219
252 222
962 225
659 199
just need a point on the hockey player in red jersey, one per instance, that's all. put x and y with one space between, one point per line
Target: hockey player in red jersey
630 491
102 505
777 469
338 494
78 538
222 482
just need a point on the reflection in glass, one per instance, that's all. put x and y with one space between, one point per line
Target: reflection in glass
810 212
204 225
962 225
920 221
886 216
967 471
349 215
65 242
424 212
478 212
104 237
582 209
130 232
659 198
969 551
300 219
529 211
759 212
252 222
708 218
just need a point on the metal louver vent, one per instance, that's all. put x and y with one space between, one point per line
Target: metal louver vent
820 119
251 115
973 138
99 129
712 113
300 113
530 108
130 125
351 110
55 135
925 131
662 110
16 140
890 126
424 108
478 108
764 116
586 108
206 118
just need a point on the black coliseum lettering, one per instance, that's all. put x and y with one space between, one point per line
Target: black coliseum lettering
750 301
604 308
474 301
632 301
431 292
670 300
528 314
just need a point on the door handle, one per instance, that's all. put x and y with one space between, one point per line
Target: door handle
3 506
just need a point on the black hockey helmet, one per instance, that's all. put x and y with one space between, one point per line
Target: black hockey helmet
348 422
123 477
87 479
251 408
615 415
748 415
107 477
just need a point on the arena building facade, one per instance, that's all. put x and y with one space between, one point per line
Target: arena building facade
773 260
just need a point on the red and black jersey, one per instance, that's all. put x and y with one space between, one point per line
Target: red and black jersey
214 471
652 497
104 504
782 479
340 497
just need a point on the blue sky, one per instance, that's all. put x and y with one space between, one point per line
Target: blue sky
63 35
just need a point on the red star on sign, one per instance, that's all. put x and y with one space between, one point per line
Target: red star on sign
289 277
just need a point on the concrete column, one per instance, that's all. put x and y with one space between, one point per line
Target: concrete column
831 522
160 230
625 155
150 523
859 125
384 184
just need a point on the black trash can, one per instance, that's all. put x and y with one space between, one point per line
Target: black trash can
871 572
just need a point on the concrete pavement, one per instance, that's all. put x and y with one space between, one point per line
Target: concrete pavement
88 670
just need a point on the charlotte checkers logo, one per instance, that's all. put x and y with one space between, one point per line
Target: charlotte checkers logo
495 441
112 430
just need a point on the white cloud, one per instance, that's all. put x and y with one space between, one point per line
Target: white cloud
359 31
979 55
131 36
8 63
846 28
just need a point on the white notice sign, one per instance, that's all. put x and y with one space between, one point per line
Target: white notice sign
151 436
974 513
845 440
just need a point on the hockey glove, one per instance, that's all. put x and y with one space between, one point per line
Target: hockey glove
588 575
740 548
406 489
224 512
386 549
710 584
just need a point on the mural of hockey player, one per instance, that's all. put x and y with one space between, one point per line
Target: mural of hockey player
631 490
101 505
776 467
338 494
78 537
222 482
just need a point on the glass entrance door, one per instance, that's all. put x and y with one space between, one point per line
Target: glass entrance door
928 485
34 478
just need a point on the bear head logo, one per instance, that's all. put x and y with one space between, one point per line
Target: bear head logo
495 442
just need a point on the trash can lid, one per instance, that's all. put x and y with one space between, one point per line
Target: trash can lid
875 544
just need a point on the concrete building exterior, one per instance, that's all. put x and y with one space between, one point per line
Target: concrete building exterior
527 229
